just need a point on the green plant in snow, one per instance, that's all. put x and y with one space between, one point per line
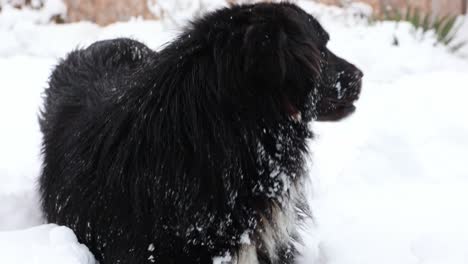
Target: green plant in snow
445 27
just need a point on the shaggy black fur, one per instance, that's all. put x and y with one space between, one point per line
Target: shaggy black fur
196 151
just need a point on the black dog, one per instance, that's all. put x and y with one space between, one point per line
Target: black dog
194 154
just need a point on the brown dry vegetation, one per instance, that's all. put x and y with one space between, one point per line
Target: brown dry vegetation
104 12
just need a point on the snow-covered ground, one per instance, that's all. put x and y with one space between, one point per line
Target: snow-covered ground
389 184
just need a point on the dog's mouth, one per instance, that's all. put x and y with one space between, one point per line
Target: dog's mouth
328 109
337 109
296 117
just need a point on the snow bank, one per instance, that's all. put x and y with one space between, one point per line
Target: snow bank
21 82
388 184
179 12
48 244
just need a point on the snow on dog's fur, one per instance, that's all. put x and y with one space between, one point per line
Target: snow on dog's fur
194 154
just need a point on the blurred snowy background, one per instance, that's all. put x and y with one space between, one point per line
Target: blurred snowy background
389 184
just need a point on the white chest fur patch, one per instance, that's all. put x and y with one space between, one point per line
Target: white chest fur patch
247 255
277 232
273 233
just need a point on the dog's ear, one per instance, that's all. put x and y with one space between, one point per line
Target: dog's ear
274 51
264 51
281 65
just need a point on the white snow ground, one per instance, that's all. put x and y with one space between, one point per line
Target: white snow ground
389 184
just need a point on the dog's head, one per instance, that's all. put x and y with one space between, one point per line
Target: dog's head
275 60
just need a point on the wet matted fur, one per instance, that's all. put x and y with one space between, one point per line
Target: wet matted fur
195 152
